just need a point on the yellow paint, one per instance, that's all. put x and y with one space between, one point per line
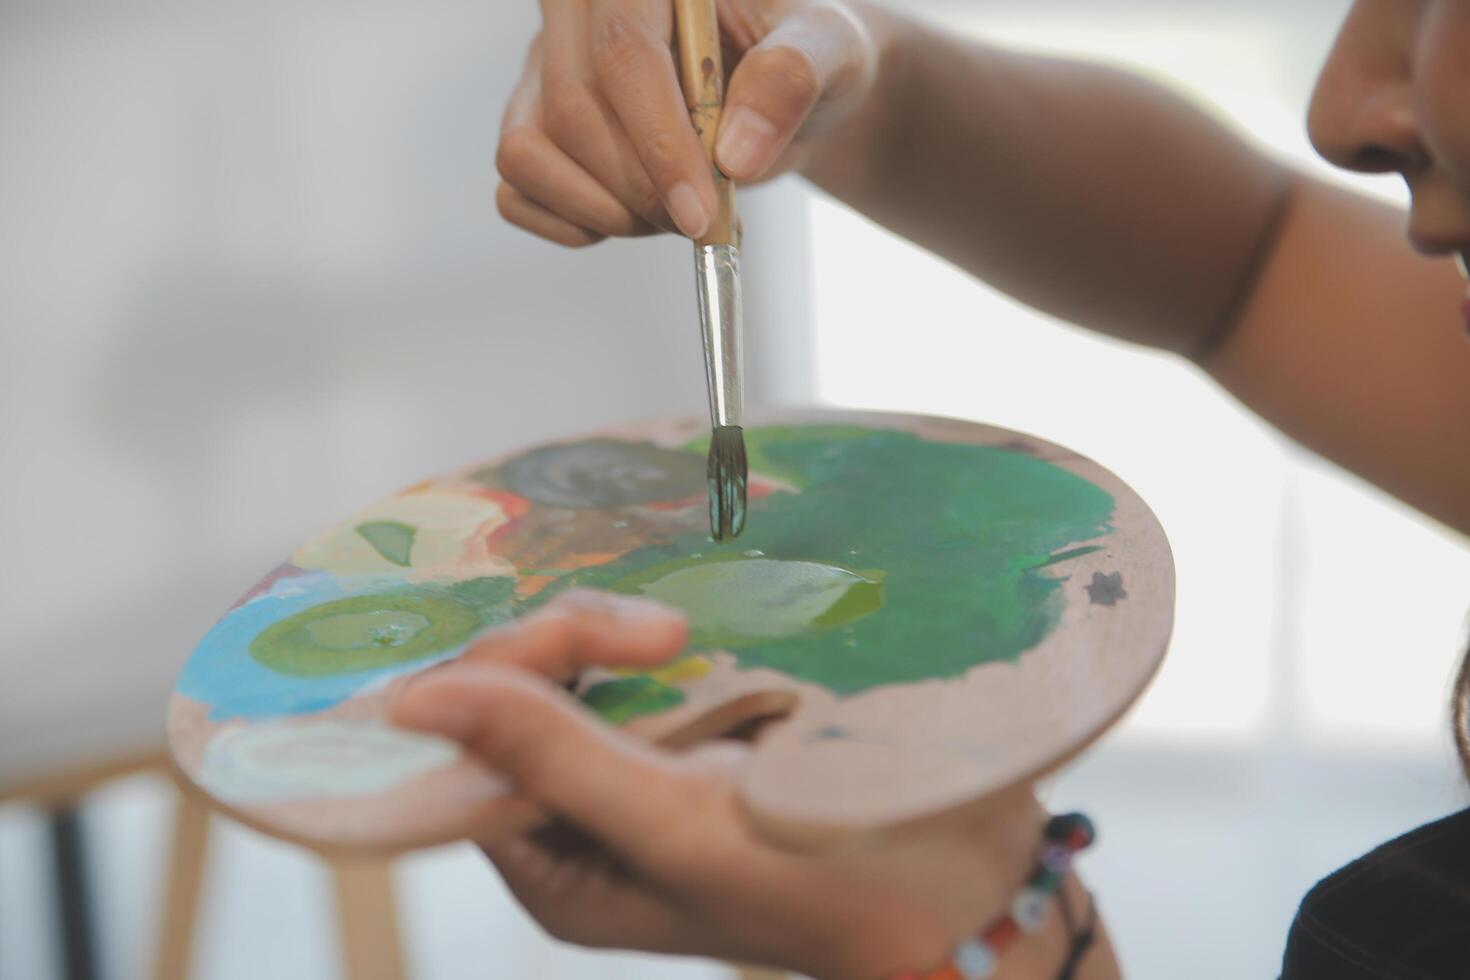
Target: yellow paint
681 671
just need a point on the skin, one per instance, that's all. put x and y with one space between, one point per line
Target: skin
1085 192
649 850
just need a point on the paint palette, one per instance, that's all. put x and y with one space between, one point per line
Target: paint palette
930 610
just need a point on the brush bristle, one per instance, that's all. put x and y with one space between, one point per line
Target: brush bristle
727 474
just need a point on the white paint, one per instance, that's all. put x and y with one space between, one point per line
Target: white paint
283 762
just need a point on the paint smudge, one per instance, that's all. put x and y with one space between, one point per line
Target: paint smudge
736 601
281 762
1067 555
554 541
1106 590
344 635
628 697
418 531
363 633
392 539
359 630
600 473
681 671
960 537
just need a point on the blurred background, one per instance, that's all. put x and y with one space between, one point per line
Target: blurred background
251 278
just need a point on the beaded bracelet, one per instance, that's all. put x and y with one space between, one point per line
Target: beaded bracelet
976 958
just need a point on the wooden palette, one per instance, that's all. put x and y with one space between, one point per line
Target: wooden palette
931 610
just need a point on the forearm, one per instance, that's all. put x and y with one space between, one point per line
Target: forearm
1083 191
1102 199
969 874
1350 344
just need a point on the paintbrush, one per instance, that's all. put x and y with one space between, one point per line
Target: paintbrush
716 272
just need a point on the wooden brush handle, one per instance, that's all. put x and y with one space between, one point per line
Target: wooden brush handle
698 31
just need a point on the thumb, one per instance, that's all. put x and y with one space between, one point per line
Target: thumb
814 58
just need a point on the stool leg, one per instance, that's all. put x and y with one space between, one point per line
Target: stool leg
73 895
368 914
181 895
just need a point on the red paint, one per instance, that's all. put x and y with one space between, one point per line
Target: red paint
514 505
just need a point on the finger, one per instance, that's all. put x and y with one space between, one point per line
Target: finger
564 760
544 175
580 629
524 213
818 55
636 73
532 164
579 120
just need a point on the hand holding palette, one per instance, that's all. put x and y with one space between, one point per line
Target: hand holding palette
933 610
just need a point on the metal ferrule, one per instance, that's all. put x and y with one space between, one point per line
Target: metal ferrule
717 269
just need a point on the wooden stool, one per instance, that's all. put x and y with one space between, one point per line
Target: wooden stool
366 903
60 795
190 838
367 913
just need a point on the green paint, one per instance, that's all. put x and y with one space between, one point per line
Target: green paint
1068 555
628 697
733 601
490 597
391 539
364 633
360 631
776 465
861 598
961 533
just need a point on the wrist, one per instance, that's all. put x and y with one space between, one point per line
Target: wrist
1045 927
840 160
1042 955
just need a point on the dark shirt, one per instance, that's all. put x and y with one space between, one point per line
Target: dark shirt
1401 912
